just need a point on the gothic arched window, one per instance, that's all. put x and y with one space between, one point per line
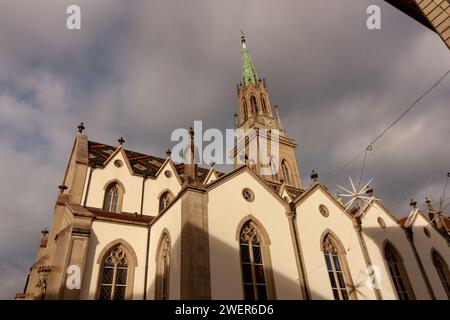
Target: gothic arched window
286 172
163 268
164 200
254 105
113 198
398 273
263 103
442 270
255 263
114 273
244 105
337 268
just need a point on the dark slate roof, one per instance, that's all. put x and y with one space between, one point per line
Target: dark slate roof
140 163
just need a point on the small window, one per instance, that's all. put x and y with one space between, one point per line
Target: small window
113 198
118 163
381 223
244 104
324 210
164 200
248 194
254 105
286 172
263 103
427 232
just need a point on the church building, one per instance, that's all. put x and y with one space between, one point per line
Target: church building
129 225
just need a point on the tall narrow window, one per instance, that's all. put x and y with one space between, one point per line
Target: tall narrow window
163 268
113 281
398 273
442 270
244 104
263 103
273 168
113 194
254 271
254 105
164 200
286 173
335 260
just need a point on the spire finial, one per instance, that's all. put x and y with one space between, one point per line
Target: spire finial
121 140
314 176
242 37
81 127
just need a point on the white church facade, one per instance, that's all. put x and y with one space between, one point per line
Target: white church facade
127 225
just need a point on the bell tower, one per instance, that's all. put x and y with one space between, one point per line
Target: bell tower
257 115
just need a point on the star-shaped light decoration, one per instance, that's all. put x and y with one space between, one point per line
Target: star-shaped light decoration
357 196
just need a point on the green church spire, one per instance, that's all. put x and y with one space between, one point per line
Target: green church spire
249 74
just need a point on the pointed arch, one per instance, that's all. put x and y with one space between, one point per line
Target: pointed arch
263 103
117 263
162 259
337 267
254 104
442 270
244 107
285 168
255 261
397 272
164 198
113 198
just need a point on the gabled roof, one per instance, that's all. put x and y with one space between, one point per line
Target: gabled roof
140 163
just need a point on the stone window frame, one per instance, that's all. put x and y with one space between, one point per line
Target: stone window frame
265 250
402 269
132 265
165 236
342 255
160 195
444 275
121 192
287 172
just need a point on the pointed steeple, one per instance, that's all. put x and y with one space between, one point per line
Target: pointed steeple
249 74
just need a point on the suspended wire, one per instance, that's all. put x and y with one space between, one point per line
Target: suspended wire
378 137
369 148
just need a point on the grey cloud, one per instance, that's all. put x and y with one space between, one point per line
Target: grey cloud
144 68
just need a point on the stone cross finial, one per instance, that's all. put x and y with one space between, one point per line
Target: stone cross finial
121 140
81 127
314 176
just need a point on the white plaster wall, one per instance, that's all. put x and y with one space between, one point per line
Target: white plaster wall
375 239
154 187
133 187
102 176
171 221
424 246
102 234
226 209
311 226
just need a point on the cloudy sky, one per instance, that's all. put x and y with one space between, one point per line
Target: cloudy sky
143 68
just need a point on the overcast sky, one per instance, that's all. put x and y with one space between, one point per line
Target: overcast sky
143 68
